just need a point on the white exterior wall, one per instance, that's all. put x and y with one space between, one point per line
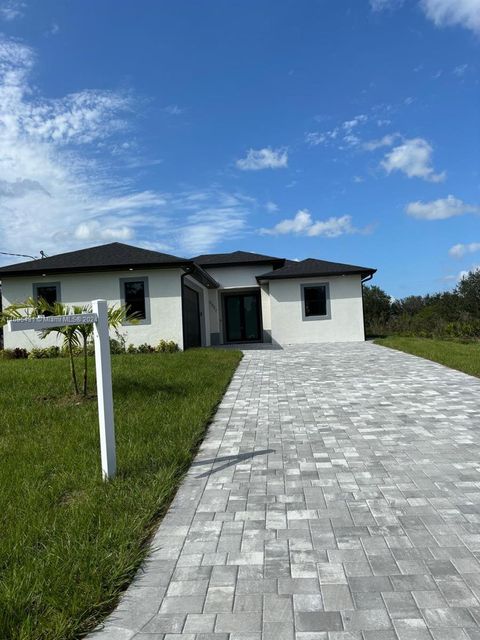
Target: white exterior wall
346 306
242 277
164 288
238 277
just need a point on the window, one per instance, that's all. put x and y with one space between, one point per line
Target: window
316 303
134 294
48 291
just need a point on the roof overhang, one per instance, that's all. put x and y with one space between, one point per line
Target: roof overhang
52 271
201 276
317 274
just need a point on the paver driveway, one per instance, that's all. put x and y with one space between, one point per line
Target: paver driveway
335 497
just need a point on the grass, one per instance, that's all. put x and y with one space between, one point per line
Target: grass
456 355
69 543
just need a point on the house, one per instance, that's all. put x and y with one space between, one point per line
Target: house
207 300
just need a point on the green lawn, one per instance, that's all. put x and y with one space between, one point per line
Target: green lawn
457 355
69 543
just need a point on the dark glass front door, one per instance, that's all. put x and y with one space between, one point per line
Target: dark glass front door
191 318
242 317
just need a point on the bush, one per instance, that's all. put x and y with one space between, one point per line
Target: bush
47 352
145 348
167 346
13 354
117 346
164 346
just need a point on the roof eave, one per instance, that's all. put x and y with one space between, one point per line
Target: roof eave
66 270
199 274
317 274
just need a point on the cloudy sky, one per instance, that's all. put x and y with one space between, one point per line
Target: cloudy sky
347 130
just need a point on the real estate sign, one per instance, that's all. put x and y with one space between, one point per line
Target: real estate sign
101 339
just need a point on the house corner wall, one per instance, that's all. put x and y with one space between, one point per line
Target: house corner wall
344 324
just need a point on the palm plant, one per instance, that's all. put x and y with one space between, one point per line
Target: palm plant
75 337
69 333
116 316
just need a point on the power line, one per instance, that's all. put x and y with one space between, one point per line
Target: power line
20 255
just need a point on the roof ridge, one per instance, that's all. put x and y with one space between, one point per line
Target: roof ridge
104 256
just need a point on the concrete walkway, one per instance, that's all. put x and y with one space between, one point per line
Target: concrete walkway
335 497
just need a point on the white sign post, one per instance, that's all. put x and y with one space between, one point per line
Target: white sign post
99 319
103 370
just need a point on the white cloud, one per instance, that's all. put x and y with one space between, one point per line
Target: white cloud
465 13
442 13
414 158
174 110
462 274
271 207
440 209
387 141
314 138
460 250
460 70
11 9
333 227
343 134
57 195
214 215
94 231
381 5
303 224
266 158
348 125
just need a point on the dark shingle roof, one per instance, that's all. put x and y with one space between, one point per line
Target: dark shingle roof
311 268
116 255
105 257
236 258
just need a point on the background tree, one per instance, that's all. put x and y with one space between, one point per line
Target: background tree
468 290
377 308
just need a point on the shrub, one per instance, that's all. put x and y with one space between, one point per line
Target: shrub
167 346
145 348
47 352
117 346
164 346
13 354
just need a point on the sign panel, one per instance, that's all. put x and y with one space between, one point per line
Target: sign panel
39 323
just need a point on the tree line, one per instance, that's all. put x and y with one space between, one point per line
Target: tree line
448 314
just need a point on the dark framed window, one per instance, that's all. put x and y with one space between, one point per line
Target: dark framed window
316 301
134 295
48 291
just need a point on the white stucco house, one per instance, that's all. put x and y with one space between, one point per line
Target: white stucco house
208 300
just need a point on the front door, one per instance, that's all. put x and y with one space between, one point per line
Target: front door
191 318
242 317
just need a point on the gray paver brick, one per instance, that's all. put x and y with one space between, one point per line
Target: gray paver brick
336 494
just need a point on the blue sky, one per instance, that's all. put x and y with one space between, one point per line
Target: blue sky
347 130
